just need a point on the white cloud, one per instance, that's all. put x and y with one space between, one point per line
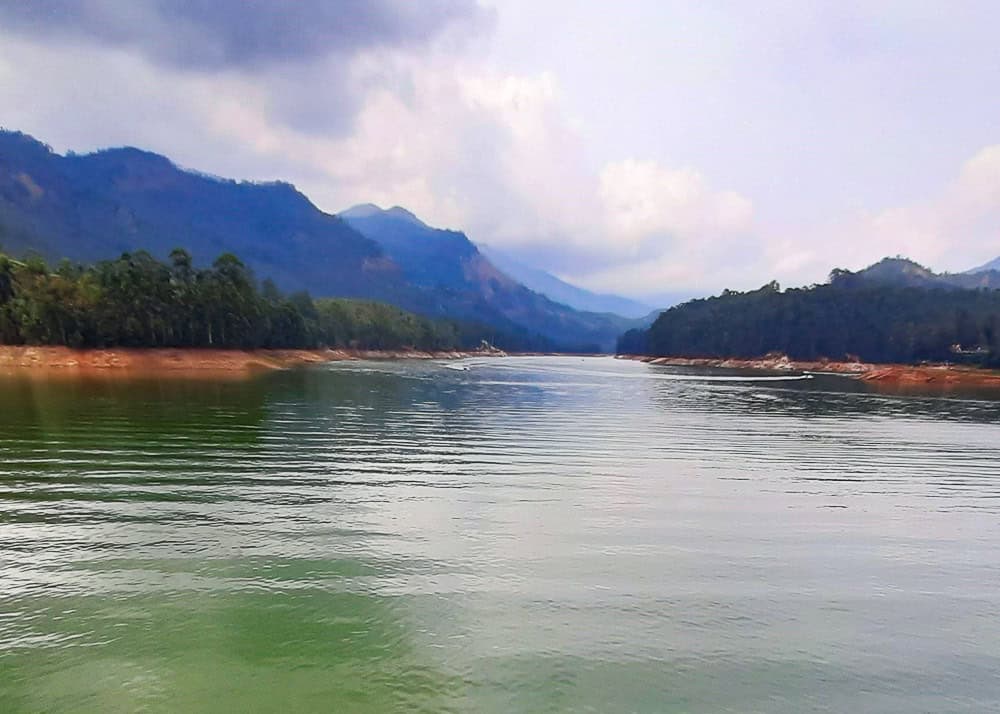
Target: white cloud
955 229
716 244
643 198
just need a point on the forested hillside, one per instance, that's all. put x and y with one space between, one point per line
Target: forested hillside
91 207
138 301
849 317
456 279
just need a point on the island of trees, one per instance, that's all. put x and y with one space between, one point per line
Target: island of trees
139 301
847 318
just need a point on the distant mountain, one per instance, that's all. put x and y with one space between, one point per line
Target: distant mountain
429 257
552 287
992 265
466 284
903 272
96 206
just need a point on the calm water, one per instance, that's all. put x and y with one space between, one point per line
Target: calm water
531 535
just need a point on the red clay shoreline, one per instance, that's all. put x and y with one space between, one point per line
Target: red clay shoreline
901 375
189 361
236 364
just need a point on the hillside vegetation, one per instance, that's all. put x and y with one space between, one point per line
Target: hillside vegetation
93 207
456 279
138 301
874 315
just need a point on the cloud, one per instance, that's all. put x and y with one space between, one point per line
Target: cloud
495 154
304 54
956 228
240 34
708 239
643 198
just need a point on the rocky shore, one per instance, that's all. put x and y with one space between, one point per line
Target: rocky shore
943 375
177 362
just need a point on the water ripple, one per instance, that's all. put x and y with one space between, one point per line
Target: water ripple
530 534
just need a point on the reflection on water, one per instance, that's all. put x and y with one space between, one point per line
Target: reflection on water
533 534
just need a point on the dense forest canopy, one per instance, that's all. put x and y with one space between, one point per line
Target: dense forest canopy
875 322
139 301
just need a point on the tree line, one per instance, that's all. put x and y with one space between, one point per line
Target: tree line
139 301
839 320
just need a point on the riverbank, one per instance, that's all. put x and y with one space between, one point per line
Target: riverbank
901 375
185 361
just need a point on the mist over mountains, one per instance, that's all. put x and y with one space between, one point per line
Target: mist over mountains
561 291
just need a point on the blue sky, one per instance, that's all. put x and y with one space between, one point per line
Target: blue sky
644 147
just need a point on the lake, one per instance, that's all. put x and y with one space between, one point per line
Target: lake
533 534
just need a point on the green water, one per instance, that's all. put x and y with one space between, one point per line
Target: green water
530 535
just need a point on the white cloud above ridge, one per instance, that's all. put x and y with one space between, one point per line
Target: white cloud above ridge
955 229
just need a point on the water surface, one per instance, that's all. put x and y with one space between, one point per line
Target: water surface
530 535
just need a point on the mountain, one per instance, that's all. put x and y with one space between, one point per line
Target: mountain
464 283
552 287
992 265
902 272
96 206
894 311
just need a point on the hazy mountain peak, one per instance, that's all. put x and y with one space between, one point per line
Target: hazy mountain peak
903 272
986 267
403 214
371 210
11 139
898 266
562 292
128 153
362 210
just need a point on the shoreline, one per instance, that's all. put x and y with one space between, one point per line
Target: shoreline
190 361
897 375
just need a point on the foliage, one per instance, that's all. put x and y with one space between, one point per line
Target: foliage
870 321
94 206
138 301
452 277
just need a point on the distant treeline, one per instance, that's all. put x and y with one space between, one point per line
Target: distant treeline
876 323
139 301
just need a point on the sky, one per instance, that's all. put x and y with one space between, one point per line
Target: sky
643 147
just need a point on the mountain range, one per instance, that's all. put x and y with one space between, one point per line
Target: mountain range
96 206
457 280
992 265
561 291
